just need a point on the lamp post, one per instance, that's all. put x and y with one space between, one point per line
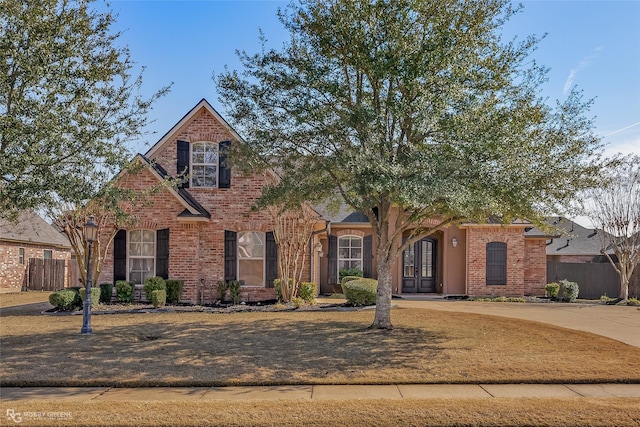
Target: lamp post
90 236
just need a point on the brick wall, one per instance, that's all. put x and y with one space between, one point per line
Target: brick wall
478 237
535 267
13 274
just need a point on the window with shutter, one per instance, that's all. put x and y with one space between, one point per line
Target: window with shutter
496 263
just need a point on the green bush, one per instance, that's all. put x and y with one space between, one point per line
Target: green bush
223 287
552 289
343 272
174 290
361 291
124 291
307 291
95 296
151 284
234 291
277 285
106 292
568 291
158 298
63 299
297 302
346 279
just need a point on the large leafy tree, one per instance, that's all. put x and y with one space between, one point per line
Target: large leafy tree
409 110
614 207
68 102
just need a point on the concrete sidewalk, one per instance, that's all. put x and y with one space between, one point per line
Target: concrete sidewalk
323 392
621 323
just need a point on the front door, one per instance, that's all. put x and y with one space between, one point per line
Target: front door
419 267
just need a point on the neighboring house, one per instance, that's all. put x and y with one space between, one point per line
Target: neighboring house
574 243
205 231
30 237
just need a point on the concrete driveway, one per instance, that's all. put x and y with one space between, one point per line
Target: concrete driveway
620 323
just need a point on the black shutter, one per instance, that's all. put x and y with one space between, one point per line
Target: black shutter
271 259
183 161
230 255
162 253
224 171
496 263
367 256
333 260
120 256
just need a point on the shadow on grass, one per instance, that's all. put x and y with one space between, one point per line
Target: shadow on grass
240 351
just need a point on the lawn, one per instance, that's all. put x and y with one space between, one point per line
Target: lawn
312 347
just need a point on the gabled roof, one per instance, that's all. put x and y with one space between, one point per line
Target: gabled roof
32 229
572 238
193 209
203 104
343 214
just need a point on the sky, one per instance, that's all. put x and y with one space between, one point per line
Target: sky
592 45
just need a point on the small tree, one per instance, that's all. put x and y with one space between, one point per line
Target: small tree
615 209
293 230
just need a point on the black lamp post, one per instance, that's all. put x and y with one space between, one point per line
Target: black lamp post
90 236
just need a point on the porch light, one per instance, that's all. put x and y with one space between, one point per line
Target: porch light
454 242
318 248
90 236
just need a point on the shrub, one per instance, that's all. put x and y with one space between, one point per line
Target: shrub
106 292
633 301
95 296
174 290
77 302
63 299
158 298
349 272
151 284
124 291
277 285
297 302
568 291
361 291
346 279
552 289
307 291
234 291
223 287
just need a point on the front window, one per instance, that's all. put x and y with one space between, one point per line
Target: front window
204 164
21 255
47 254
142 251
349 252
251 251
496 263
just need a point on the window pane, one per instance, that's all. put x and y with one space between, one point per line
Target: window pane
356 242
47 254
356 253
211 155
149 235
198 147
198 157
251 272
148 249
409 260
135 236
135 278
135 249
251 244
210 176
344 253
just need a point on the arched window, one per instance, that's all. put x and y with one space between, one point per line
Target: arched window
141 251
349 252
496 263
204 164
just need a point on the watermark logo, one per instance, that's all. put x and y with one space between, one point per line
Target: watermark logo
14 416
18 417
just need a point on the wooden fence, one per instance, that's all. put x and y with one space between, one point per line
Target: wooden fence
46 274
593 279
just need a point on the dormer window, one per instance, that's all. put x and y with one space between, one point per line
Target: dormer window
204 164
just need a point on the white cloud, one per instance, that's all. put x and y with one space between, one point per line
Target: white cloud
584 63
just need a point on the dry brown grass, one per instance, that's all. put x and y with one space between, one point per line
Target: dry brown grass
433 412
208 349
21 298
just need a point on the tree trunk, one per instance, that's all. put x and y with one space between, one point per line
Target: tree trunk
624 282
382 318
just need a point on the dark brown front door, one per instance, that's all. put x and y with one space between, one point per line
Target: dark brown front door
419 267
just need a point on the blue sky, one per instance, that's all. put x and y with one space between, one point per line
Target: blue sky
594 45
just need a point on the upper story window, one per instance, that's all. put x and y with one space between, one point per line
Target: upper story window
142 255
204 164
349 252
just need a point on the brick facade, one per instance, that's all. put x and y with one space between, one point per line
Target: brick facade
13 274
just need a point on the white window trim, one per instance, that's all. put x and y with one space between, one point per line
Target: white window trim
192 164
129 257
350 236
263 258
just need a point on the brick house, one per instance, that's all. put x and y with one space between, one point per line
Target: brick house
31 237
206 231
